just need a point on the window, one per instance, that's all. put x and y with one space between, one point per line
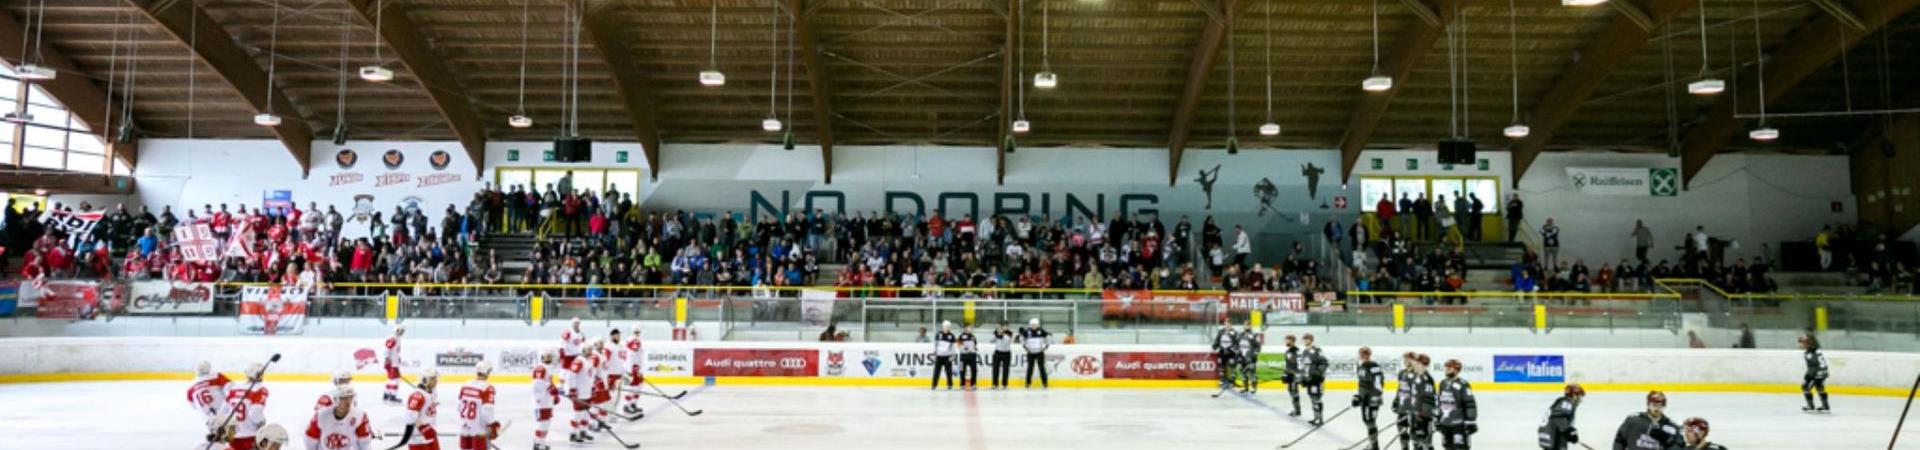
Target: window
1489 192
1408 188
623 181
1371 189
596 181
54 139
1440 189
510 178
1447 189
589 182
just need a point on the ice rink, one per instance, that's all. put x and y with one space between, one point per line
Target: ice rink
154 415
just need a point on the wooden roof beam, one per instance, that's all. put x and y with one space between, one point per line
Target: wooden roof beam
1204 55
1841 12
410 47
1425 12
629 81
1009 79
817 84
1799 55
1401 58
1630 11
1623 38
75 90
233 64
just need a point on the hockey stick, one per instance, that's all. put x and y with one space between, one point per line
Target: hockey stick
1585 446
676 403
1374 436
1323 424
616 438
683 393
228 420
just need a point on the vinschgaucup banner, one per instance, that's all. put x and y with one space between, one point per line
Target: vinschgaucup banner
1628 181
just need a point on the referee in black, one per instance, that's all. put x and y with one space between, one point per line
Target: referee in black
969 359
943 355
1002 357
1035 340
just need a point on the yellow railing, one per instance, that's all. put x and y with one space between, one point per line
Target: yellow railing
677 287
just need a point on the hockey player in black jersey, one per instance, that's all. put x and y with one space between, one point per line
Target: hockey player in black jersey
1458 411
943 355
1696 436
1556 430
1816 378
1367 397
1421 405
1247 353
1315 372
1224 354
1293 375
1650 430
1403 400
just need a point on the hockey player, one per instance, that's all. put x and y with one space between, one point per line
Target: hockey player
1420 405
1650 430
1696 436
1367 396
1458 411
342 426
1224 355
1291 374
635 358
580 383
969 359
545 395
570 341
392 364
1816 378
618 361
1403 400
1556 430
1247 352
423 409
246 410
1315 372
271 437
1035 340
477 425
943 355
208 390
602 395
341 378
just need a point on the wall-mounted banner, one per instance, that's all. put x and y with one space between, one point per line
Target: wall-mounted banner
1633 181
276 202
756 362
1161 366
73 224
272 310
1529 368
163 297
196 242
68 300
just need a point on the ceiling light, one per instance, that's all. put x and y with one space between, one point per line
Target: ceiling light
771 124
1377 83
712 78
1045 80
266 119
1517 131
1270 129
1708 86
376 74
35 72
1581 2
1022 126
520 121
1764 133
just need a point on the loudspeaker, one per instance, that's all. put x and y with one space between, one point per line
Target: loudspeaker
575 149
1456 152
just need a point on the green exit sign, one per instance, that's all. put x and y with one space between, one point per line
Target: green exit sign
620 157
1378 164
513 155
547 155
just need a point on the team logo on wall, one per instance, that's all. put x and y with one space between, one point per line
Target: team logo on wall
871 362
346 158
393 158
362 207
439 159
1312 172
836 363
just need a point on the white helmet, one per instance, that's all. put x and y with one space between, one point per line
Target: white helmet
483 369
203 369
343 377
399 329
430 373
272 433
945 324
636 331
256 371
575 323
1034 322
342 391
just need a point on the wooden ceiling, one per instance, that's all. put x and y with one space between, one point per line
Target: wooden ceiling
1134 73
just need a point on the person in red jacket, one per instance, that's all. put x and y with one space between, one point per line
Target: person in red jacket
362 260
1384 211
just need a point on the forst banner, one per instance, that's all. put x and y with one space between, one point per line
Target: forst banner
272 310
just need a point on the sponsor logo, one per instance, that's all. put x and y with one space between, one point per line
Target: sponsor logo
439 159
518 360
346 158
755 362
345 178
1529 368
459 357
392 178
871 362
1085 365
438 179
793 363
393 158
1161 366
160 297
836 363
363 358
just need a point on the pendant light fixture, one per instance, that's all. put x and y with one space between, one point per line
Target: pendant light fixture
1377 82
1233 119
1046 79
30 70
340 94
712 76
772 122
519 119
1518 129
786 139
1020 123
1270 128
1764 133
1707 84
376 72
1581 2
268 118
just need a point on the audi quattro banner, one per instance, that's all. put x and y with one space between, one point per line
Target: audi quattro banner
1161 366
756 362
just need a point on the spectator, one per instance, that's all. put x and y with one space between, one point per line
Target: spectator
1423 214
1242 246
1550 242
1746 337
1473 219
1404 209
1693 340
1463 215
1384 211
1823 242
1516 212
1642 239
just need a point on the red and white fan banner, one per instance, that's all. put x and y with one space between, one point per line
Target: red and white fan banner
197 242
272 310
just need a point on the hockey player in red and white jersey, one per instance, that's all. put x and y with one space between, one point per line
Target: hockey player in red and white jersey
635 357
246 409
580 384
208 391
545 395
422 410
342 426
570 341
341 378
619 370
601 363
392 363
477 426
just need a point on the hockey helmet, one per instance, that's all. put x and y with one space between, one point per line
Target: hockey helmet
1656 398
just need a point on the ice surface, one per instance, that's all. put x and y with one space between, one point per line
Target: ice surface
154 415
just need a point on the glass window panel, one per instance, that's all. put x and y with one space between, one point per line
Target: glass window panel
7 71
1371 189
85 142
49 116
547 179
1489 193
623 181
8 87
1448 187
37 96
590 181
1409 188
79 162
38 157
46 137
516 177
120 168
6 154
6 132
